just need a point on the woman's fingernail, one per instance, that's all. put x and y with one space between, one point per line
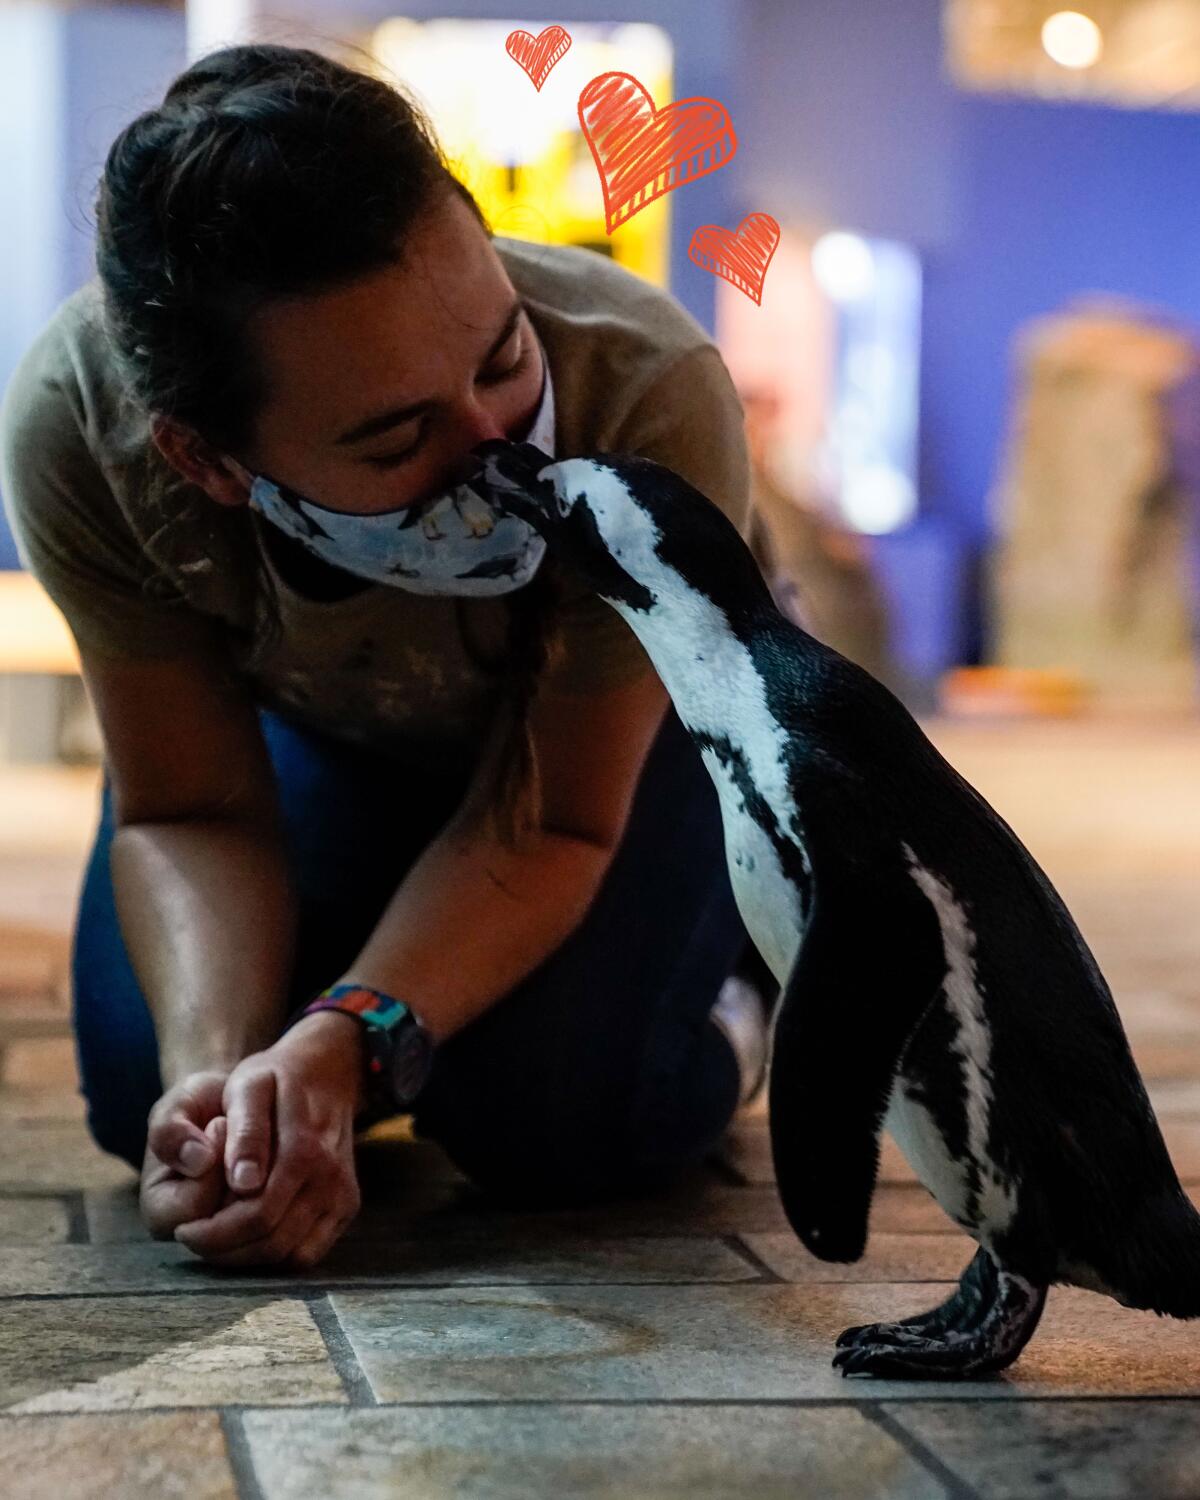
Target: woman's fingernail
245 1174
194 1156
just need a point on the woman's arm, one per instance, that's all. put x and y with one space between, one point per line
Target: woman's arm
473 917
199 873
208 917
470 919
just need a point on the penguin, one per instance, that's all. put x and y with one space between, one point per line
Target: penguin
932 981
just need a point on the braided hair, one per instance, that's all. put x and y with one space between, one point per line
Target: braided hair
267 172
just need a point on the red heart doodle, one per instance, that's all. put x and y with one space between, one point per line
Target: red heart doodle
642 152
741 256
538 54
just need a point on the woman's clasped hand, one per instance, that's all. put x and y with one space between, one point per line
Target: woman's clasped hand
255 1165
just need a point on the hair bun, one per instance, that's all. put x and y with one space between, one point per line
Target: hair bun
220 73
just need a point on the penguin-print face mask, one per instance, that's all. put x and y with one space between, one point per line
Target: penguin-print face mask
456 543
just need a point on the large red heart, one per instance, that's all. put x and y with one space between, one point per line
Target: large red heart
642 152
741 256
538 54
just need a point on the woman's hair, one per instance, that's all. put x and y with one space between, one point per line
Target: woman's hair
271 172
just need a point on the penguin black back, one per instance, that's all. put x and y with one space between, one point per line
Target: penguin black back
933 958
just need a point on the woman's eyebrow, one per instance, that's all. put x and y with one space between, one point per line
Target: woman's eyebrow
382 421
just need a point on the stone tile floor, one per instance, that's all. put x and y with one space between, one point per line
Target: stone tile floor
678 1345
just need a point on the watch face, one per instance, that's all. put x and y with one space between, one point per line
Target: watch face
412 1056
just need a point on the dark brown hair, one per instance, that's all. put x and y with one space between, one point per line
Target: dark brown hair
267 172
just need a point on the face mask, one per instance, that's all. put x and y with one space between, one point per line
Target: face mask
454 543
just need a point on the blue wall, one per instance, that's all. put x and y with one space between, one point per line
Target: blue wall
1057 200
1014 204
845 118
70 80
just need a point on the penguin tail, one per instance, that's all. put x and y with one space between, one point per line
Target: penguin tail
1153 1262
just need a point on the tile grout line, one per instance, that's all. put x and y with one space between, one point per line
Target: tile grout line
767 1274
341 1353
237 1450
955 1488
798 1403
788 1403
370 1283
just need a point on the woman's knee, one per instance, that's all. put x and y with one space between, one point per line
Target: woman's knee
115 1042
118 1134
550 1168
553 1170
563 1146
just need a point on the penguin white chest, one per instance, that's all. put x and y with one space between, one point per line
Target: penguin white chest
768 901
973 1188
721 699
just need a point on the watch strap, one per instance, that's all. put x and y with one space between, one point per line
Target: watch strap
372 1007
380 1015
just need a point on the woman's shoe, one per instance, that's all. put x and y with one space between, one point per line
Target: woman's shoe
744 1012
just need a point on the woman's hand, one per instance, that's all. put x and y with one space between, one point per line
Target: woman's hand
182 1172
290 1113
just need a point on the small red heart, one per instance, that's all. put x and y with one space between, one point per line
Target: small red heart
642 152
741 256
538 54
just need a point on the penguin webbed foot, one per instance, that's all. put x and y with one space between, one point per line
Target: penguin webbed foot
980 1329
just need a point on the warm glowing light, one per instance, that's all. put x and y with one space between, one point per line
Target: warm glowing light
843 266
521 151
1072 39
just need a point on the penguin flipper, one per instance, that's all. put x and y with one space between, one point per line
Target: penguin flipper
870 964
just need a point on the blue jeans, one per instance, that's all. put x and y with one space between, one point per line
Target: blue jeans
598 1073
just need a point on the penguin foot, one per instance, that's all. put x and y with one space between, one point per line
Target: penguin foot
961 1312
980 1329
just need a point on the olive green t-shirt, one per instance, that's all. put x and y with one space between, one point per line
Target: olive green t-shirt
133 575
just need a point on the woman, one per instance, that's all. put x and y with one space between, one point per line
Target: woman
482 805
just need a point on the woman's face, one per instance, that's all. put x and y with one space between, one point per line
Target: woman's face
378 392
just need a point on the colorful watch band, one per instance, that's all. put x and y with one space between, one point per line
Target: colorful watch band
375 1008
381 1014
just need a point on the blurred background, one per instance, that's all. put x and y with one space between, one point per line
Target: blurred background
971 388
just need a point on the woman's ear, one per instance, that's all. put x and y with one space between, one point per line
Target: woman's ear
199 462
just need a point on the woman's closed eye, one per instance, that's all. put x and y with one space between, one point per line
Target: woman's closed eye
392 460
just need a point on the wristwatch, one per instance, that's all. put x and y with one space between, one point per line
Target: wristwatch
398 1048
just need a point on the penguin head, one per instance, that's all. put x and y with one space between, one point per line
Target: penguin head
510 477
636 531
578 505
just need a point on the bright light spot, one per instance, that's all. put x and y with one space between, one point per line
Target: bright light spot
877 498
451 67
218 23
843 266
1072 39
649 44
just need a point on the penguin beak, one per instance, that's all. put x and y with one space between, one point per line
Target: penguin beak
507 478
